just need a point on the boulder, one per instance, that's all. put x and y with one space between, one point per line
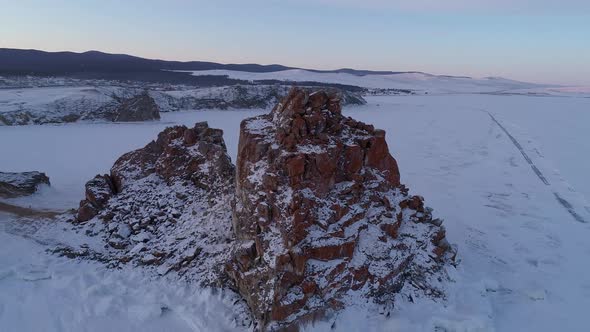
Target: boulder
321 218
98 191
21 184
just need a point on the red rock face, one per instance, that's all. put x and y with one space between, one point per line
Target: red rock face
98 191
320 215
178 153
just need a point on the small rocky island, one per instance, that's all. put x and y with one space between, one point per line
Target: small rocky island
21 184
312 219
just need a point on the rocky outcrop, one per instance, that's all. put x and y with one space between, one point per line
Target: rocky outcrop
71 104
237 97
312 219
21 184
141 107
98 192
139 101
167 204
321 217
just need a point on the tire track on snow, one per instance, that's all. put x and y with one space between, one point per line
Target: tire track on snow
562 201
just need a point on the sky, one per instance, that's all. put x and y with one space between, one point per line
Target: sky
545 41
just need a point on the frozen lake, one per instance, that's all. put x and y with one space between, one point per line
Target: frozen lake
71 154
522 250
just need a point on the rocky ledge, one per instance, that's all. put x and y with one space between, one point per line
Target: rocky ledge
21 184
313 218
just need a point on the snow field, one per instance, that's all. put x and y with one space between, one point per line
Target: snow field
522 253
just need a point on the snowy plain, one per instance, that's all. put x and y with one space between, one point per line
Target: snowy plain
523 255
418 82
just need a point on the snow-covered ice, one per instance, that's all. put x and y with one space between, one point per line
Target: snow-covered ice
71 154
42 292
419 82
523 254
518 245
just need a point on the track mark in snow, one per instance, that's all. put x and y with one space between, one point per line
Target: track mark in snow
569 207
26 212
562 201
519 147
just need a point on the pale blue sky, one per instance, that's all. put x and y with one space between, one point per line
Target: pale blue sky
534 40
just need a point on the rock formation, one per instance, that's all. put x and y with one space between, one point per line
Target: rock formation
167 204
141 107
98 192
71 104
140 101
321 217
313 219
21 184
261 96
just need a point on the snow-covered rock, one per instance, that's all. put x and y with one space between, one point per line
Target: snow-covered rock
236 96
98 192
321 219
71 104
314 220
23 103
168 204
141 107
21 184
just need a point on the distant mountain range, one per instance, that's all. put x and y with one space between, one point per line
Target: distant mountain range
95 65
19 61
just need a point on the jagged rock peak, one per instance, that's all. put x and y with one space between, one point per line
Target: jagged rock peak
321 218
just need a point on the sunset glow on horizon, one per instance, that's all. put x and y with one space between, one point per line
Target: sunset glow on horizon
538 41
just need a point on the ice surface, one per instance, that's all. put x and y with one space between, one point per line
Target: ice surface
523 256
420 83
71 154
42 292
